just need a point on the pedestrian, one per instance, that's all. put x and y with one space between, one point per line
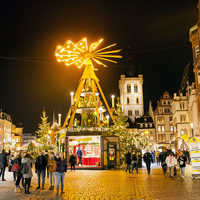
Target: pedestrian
40 168
79 154
134 161
47 158
52 169
3 164
182 163
171 163
17 165
11 162
60 172
157 158
128 161
148 160
162 158
72 161
27 172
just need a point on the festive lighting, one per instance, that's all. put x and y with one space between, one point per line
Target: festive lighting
80 53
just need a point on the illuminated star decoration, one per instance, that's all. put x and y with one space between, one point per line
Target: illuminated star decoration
80 53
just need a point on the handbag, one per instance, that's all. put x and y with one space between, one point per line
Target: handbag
15 167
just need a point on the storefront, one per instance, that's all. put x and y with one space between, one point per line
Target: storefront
93 150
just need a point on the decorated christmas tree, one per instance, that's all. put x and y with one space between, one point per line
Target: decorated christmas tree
43 132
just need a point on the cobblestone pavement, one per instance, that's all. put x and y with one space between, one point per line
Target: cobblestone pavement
111 185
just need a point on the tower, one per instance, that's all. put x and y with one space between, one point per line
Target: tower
131 96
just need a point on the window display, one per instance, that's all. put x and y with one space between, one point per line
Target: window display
87 150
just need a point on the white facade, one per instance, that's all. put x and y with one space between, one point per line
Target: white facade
181 119
131 96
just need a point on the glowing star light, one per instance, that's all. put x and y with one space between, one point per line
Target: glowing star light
80 53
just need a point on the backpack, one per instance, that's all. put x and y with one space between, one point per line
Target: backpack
15 167
52 166
25 168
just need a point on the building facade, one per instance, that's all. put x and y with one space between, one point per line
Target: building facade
163 120
145 125
131 96
194 89
181 119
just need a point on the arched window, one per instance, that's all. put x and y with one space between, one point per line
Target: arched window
135 88
128 88
128 100
137 100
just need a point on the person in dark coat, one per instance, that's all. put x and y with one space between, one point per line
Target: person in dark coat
60 171
148 159
134 161
40 168
182 159
162 157
128 161
3 164
72 161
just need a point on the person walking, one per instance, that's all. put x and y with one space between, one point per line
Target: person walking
171 163
26 170
52 169
72 161
134 161
182 163
60 172
148 160
47 158
11 162
128 161
157 158
17 165
3 164
162 158
40 168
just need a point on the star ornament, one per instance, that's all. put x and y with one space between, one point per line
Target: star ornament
80 53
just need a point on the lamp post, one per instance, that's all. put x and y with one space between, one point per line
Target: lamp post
72 96
192 127
113 100
59 119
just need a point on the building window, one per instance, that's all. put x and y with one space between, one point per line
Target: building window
128 88
164 102
137 100
171 128
163 128
150 125
182 106
167 110
159 128
168 102
182 118
130 112
141 125
135 88
170 118
160 119
136 112
146 125
128 100
197 51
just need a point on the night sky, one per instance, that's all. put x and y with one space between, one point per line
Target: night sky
153 36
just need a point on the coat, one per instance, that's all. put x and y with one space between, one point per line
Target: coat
41 163
3 160
61 165
72 160
182 161
28 161
148 158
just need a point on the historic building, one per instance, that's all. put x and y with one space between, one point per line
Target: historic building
194 89
10 135
145 124
181 119
131 96
163 120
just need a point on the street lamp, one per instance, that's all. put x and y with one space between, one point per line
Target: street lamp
192 127
113 100
59 119
72 96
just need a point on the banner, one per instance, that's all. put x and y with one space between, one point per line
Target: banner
195 158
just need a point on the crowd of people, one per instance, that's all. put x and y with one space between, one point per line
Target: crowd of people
46 164
167 159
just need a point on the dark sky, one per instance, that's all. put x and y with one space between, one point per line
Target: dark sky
153 36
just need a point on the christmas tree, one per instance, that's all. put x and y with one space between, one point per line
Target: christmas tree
43 132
